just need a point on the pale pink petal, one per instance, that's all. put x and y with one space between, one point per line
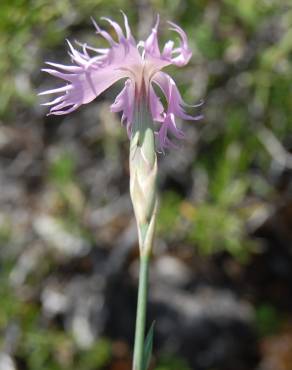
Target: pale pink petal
103 33
151 51
123 54
116 27
128 30
156 106
96 69
178 56
55 101
63 112
72 69
65 76
85 86
76 56
90 76
174 109
162 137
125 103
173 97
182 54
172 127
151 44
167 50
163 140
57 90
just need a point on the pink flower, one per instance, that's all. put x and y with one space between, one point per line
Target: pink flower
140 64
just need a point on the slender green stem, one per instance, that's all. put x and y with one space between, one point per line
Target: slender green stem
141 314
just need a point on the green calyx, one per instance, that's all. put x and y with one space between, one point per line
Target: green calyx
143 175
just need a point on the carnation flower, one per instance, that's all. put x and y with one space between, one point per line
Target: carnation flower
95 69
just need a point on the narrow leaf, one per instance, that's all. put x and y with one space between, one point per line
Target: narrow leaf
148 347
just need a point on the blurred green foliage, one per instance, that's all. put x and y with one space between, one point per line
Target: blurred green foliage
171 363
267 319
43 347
168 214
61 171
53 350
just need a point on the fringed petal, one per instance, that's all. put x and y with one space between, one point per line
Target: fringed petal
180 56
125 103
129 35
90 76
151 44
116 27
103 33
174 100
164 142
156 107
140 64
174 109
85 86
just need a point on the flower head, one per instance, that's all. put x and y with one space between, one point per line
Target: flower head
140 64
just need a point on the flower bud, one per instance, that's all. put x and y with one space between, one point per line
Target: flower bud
143 175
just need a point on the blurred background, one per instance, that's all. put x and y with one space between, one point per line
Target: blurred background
221 278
